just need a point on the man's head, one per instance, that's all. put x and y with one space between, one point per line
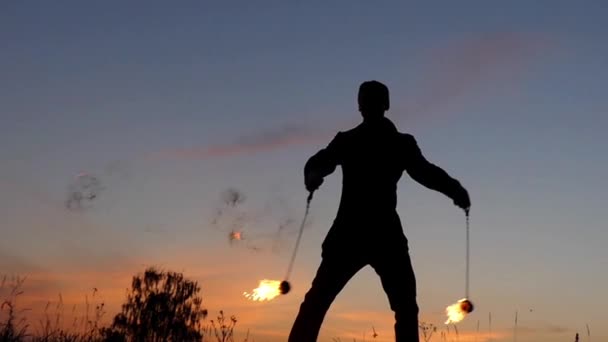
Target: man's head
373 99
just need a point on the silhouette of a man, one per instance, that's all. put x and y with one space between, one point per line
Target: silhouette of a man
367 229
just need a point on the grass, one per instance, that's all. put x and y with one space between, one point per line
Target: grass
84 327
12 327
88 326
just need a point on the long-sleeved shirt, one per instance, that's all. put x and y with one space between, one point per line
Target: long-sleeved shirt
373 156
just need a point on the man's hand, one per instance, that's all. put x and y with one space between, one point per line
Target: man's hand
313 181
462 200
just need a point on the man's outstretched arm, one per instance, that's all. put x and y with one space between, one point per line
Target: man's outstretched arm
322 164
432 176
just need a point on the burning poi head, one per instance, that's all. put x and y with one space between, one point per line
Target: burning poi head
284 287
458 311
268 290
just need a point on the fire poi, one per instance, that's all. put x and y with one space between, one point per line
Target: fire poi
459 310
270 289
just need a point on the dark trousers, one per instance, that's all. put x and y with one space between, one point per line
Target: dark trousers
391 262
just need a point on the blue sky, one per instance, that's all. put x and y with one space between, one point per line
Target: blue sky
509 98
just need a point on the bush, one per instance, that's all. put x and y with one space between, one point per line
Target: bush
160 306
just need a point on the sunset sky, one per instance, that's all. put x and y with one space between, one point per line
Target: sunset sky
171 103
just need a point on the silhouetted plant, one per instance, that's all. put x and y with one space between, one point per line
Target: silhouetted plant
427 330
223 328
12 329
84 328
160 306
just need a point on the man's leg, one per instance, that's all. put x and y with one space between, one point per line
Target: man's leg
334 272
394 267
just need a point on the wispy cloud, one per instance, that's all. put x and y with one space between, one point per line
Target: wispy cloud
465 66
257 141
455 70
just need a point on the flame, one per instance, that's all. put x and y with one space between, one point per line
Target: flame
235 235
267 290
458 311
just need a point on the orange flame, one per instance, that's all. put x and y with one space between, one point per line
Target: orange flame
267 290
458 311
235 235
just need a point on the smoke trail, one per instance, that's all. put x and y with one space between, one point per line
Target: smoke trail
229 214
242 224
82 191
278 237
232 197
